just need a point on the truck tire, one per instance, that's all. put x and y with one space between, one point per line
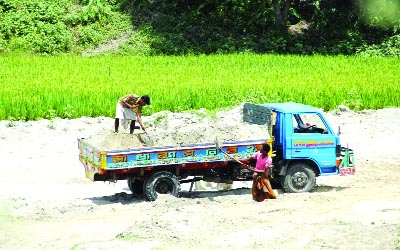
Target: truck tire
136 186
299 178
163 182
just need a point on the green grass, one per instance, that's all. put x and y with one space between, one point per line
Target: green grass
34 87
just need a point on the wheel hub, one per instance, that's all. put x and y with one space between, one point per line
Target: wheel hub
299 180
163 187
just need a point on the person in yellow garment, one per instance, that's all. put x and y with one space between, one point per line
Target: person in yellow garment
129 108
262 189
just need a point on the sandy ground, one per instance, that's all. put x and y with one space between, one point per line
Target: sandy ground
47 203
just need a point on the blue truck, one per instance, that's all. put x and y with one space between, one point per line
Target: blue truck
303 146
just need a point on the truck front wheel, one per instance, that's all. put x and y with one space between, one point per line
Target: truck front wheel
299 178
161 183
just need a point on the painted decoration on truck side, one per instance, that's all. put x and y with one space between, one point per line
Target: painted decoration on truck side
211 154
313 143
197 155
119 158
119 165
90 169
231 150
89 154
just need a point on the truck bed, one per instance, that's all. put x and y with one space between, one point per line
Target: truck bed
98 161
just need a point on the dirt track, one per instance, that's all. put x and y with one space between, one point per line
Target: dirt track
47 203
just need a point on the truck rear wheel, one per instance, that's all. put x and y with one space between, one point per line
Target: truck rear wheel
163 182
299 178
136 186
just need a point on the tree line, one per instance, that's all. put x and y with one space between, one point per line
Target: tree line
177 27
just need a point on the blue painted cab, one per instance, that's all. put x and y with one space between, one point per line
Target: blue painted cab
304 144
303 133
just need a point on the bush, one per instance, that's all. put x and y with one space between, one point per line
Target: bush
389 48
180 27
51 38
58 26
90 35
94 34
35 26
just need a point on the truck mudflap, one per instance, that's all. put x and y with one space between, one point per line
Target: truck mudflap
346 166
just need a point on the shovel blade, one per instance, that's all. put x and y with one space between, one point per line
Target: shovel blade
146 139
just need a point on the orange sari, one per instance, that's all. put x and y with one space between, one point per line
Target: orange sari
262 188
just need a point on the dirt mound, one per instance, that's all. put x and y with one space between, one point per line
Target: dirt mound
177 129
106 139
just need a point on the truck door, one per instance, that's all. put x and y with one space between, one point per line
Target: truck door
313 138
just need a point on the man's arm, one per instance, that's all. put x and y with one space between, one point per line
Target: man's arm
268 165
129 101
139 119
127 105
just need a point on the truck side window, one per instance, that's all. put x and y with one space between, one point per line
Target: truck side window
308 123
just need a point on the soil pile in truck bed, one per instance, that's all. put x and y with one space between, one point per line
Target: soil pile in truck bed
176 129
106 139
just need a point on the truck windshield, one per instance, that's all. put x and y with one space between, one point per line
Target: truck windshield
308 123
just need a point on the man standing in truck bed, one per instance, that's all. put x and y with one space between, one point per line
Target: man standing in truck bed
129 107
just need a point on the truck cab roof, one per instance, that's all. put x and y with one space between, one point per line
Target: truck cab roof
291 107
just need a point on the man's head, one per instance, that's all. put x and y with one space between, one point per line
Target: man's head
265 148
145 100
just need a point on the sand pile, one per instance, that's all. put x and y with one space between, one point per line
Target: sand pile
177 129
106 139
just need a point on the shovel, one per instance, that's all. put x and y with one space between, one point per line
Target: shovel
218 144
145 138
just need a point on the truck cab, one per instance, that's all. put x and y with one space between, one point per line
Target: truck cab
304 144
